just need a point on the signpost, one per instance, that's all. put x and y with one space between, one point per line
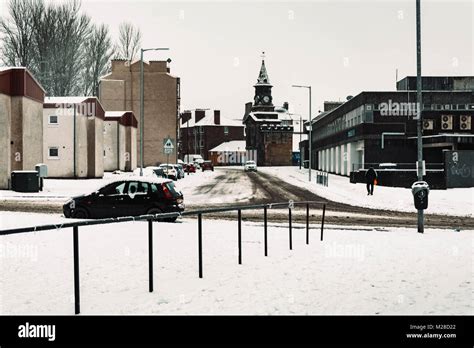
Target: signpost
168 148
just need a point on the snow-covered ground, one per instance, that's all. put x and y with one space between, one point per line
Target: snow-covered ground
458 201
354 271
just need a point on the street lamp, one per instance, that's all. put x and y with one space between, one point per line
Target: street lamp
310 127
141 101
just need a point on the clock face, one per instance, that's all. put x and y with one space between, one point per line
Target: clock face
257 99
266 99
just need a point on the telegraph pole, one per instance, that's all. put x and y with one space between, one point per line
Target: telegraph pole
420 106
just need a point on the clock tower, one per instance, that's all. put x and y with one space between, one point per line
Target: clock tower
263 91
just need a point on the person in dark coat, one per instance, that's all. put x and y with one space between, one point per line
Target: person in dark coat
370 177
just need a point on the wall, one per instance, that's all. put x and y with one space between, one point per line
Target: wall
5 131
62 136
110 145
459 168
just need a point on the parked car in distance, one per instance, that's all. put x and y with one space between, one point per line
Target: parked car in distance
170 171
131 196
207 165
195 159
250 166
190 168
180 170
158 171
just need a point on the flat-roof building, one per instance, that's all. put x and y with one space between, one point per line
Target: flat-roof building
73 129
21 122
120 141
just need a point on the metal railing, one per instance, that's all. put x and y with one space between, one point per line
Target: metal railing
157 217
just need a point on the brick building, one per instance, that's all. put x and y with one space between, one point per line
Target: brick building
120 90
202 130
378 127
269 130
21 122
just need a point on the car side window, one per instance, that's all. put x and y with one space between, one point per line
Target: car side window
113 189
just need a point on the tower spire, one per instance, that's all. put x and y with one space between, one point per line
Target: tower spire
263 75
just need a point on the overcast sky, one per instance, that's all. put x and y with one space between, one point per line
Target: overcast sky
339 47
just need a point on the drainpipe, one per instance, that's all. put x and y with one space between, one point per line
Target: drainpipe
74 143
389 133
118 145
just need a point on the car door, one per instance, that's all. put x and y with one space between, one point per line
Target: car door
137 199
109 199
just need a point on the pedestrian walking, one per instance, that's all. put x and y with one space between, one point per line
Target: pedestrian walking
370 177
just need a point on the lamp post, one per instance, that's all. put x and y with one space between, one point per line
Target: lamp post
420 105
141 101
310 127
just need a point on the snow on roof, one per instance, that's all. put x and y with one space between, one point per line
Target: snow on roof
65 100
208 120
115 113
234 145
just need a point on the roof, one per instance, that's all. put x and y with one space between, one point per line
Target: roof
125 118
263 78
65 100
234 145
208 120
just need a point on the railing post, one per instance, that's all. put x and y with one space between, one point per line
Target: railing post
307 223
290 231
265 241
322 221
150 255
77 300
239 214
200 244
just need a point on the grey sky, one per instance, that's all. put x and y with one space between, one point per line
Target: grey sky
339 47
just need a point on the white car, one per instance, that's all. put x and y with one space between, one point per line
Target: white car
170 171
250 166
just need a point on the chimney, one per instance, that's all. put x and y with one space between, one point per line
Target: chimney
217 117
185 117
286 106
199 115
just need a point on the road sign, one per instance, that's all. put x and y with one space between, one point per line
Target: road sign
168 144
168 151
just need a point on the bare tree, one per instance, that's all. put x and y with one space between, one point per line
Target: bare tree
129 41
99 50
17 34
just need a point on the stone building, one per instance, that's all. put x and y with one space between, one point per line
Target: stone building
120 141
73 132
21 122
120 90
269 130
202 130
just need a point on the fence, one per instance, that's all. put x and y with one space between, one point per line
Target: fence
150 218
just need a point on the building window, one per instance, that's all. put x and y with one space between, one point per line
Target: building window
53 119
201 130
201 143
53 152
226 130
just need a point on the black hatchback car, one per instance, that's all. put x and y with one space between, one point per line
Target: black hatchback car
127 197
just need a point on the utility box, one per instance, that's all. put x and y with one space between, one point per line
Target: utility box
420 191
25 181
42 170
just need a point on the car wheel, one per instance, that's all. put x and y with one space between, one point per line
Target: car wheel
80 213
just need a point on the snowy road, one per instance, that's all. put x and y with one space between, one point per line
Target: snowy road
347 205
353 271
